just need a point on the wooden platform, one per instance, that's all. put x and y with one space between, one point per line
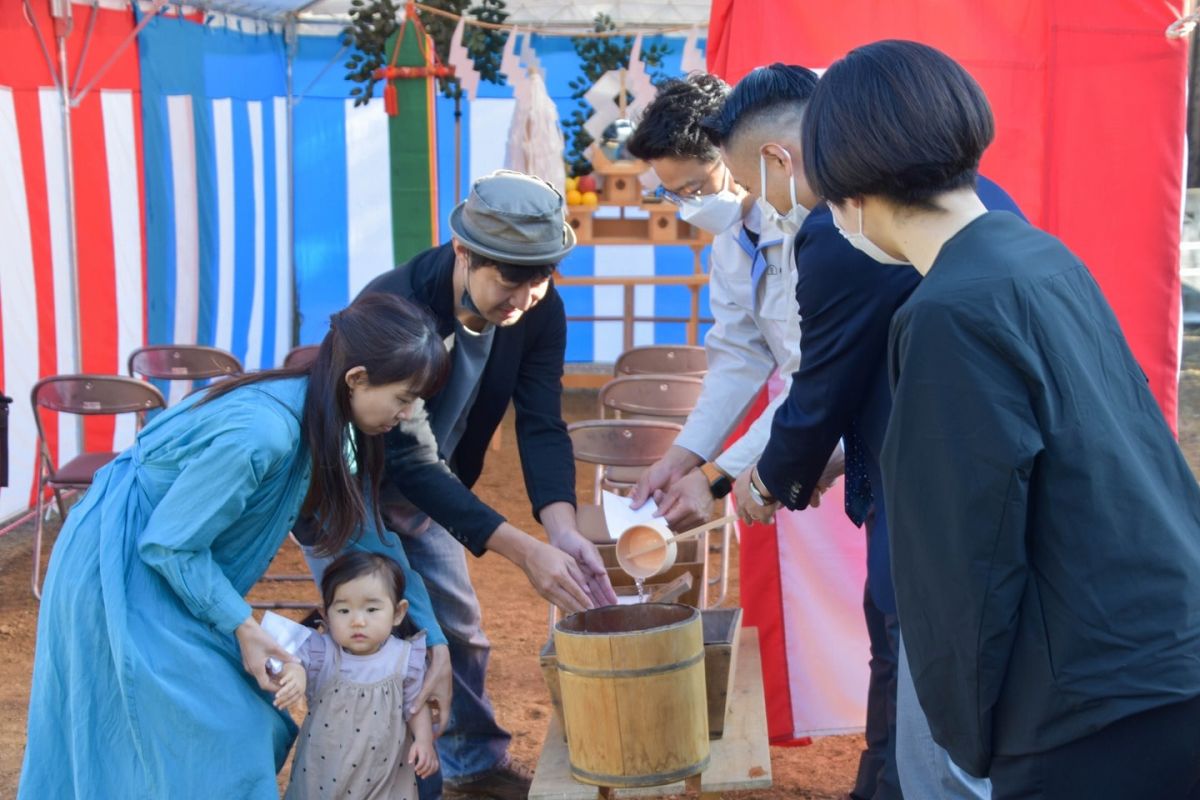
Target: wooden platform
740 761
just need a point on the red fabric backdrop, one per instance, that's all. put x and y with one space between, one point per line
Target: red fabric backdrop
1089 99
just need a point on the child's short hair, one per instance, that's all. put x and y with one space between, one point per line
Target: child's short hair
357 563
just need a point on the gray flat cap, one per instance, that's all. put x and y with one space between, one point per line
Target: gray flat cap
514 218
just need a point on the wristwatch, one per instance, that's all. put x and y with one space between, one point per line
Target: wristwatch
720 487
755 493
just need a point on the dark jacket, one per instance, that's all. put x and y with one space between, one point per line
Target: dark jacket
1045 526
525 367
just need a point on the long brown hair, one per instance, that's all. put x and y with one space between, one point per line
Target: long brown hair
393 340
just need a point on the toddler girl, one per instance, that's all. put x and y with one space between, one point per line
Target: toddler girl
360 738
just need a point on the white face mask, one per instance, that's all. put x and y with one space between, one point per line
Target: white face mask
859 241
790 222
715 213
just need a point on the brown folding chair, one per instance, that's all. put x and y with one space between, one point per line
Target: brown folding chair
662 397
683 359
79 394
620 448
301 356
183 362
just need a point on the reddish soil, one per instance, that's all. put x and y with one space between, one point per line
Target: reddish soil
514 617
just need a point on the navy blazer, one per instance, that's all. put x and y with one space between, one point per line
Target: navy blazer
846 301
525 366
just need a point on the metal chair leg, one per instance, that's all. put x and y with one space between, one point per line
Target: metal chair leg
62 508
37 543
723 578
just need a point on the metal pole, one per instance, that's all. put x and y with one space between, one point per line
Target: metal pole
291 42
458 147
61 11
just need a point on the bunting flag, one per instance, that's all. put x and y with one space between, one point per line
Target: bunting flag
464 65
692 57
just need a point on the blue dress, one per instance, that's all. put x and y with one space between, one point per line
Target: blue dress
138 686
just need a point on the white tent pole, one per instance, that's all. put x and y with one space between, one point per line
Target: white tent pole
291 43
61 11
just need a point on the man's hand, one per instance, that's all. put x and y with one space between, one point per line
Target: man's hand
747 509
687 503
591 565
834 469
663 473
438 688
553 573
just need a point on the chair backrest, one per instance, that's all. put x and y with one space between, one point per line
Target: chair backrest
301 356
669 397
684 359
92 394
622 442
182 362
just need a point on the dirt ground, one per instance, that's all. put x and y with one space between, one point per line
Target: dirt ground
514 617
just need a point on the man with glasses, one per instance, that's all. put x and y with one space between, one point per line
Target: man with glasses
752 287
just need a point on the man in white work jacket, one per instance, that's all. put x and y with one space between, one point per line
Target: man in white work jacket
752 293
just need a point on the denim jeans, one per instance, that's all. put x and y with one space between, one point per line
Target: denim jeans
472 743
926 770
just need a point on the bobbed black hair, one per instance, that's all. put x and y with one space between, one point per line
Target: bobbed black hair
670 127
763 92
897 119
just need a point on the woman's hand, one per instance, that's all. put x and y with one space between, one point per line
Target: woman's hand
257 646
437 689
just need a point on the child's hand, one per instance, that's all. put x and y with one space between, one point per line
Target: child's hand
292 683
424 755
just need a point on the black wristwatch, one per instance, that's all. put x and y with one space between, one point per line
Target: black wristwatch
720 487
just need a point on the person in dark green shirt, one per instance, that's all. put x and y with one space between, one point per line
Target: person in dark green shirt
1045 526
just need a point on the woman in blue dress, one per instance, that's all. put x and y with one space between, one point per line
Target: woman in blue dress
150 673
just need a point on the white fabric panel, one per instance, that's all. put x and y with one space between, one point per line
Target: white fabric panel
490 121
180 121
65 340
283 240
823 565
368 195
621 260
18 311
254 336
222 116
120 147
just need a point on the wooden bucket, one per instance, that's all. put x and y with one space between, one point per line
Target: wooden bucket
633 694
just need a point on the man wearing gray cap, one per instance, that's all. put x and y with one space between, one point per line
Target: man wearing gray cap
490 294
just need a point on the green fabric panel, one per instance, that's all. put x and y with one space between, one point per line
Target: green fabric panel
413 180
